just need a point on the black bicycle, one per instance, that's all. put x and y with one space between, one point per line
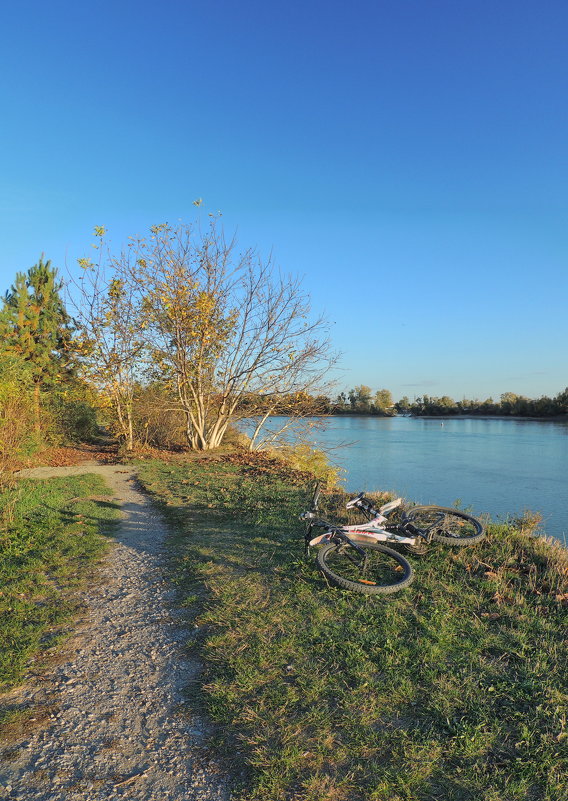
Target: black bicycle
354 557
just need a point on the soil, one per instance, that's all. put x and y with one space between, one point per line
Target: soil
113 719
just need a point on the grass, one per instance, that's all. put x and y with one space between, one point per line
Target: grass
51 533
454 689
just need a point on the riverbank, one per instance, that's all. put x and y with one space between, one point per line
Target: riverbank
494 467
450 689
559 418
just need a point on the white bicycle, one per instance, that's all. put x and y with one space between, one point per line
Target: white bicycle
354 556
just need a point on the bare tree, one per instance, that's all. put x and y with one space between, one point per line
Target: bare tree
222 327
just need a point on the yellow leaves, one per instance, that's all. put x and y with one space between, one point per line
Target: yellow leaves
116 288
205 303
99 230
105 401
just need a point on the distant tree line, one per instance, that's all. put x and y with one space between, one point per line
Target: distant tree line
359 400
509 405
362 400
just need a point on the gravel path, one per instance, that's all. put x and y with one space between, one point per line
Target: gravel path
116 730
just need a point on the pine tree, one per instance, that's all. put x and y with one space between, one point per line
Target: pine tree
35 327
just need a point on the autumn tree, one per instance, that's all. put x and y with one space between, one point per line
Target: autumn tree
511 403
383 401
360 398
223 327
36 328
107 311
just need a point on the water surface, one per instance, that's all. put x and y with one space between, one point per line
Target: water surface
501 467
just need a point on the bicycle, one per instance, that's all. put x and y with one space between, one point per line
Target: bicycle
353 556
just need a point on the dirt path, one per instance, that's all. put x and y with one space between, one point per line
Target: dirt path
116 730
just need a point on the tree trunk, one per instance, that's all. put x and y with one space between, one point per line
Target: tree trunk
124 414
129 432
252 443
37 409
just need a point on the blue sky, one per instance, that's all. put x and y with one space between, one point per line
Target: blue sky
408 158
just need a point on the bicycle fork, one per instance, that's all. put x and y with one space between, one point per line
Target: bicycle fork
347 547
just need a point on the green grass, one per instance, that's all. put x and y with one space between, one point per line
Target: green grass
51 532
454 689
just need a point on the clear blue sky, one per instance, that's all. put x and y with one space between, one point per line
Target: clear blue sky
408 158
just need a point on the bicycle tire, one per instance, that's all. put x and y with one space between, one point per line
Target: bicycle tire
387 570
450 526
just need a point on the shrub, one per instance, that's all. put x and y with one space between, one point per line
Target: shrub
156 420
16 413
311 460
69 415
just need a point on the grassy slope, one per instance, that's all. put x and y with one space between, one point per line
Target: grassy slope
50 533
453 689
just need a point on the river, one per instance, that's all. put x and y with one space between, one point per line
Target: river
495 466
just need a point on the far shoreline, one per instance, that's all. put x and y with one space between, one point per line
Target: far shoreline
559 418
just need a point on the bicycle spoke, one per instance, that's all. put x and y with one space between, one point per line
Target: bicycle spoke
451 526
376 569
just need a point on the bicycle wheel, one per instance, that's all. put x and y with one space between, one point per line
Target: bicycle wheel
449 526
382 571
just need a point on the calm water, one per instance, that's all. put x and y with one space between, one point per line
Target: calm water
497 466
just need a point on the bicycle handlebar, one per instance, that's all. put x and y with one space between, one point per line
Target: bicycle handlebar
354 501
368 508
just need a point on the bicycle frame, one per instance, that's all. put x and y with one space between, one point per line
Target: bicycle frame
373 530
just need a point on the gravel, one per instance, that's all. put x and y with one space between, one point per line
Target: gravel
119 725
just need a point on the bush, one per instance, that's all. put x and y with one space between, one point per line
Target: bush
69 413
157 422
72 421
17 439
311 460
